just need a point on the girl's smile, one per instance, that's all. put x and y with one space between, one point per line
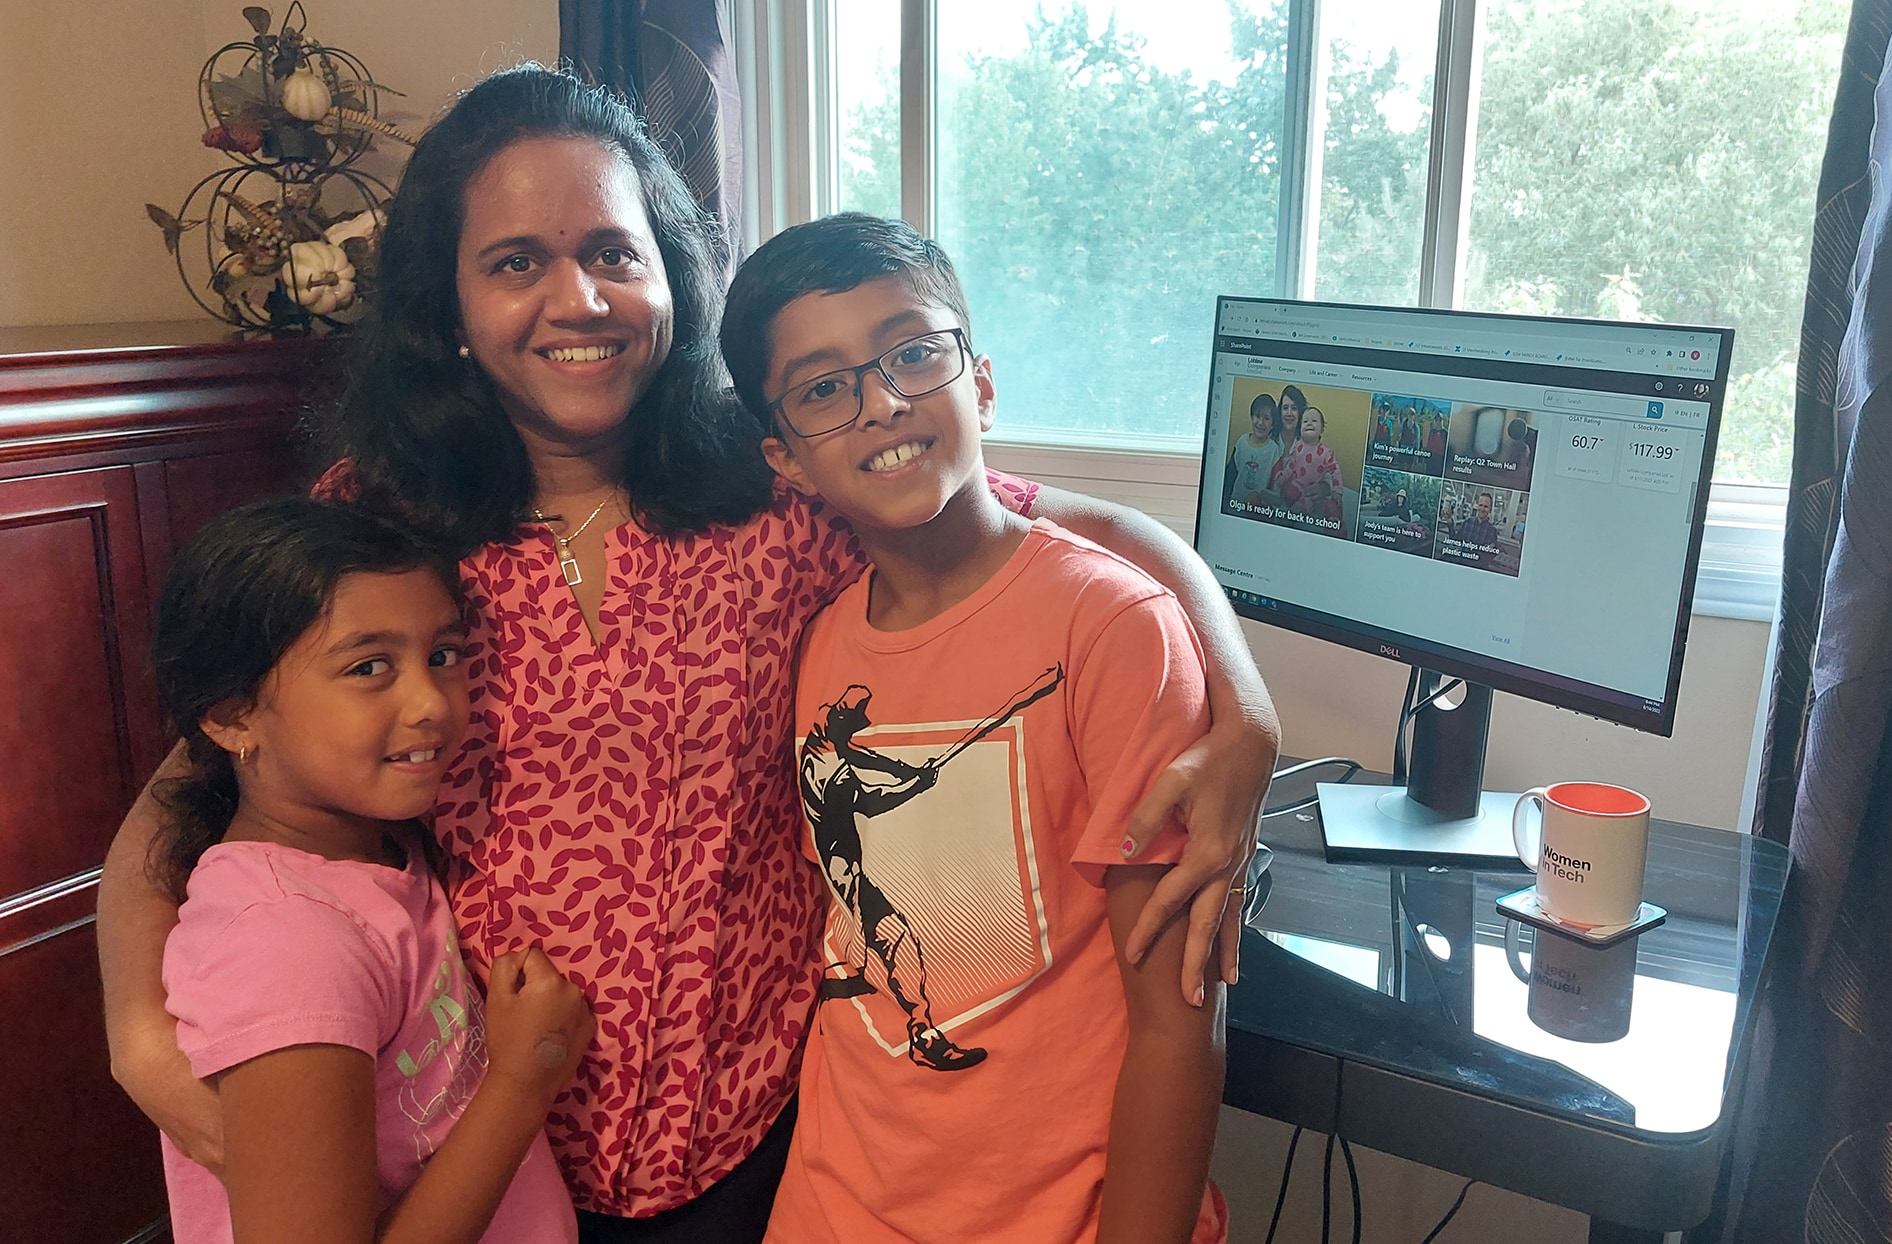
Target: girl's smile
357 723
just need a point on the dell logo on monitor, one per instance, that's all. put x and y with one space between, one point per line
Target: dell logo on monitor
1387 650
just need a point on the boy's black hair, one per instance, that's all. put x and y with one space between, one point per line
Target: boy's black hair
429 439
239 596
827 256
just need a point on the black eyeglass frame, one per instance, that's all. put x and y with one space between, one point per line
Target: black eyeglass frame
859 374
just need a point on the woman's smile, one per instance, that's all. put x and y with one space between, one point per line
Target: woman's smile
564 301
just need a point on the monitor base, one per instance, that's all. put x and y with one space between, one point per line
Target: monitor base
1384 824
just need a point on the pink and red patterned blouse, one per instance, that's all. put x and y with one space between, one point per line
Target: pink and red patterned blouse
631 806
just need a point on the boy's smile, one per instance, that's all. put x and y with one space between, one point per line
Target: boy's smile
904 454
903 459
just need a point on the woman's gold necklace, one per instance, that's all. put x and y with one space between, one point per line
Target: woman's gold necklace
567 562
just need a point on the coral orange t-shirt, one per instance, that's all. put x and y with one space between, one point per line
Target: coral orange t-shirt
967 782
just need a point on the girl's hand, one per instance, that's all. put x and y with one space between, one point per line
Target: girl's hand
538 1024
1216 789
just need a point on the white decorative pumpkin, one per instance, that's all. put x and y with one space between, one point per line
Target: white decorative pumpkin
319 276
305 96
362 225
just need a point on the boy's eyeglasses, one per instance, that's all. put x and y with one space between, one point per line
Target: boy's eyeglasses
914 368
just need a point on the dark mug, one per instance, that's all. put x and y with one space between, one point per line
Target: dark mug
1577 991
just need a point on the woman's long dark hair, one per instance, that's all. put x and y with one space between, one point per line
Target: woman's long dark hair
239 596
424 427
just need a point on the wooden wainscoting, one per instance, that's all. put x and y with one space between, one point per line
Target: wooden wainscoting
116 444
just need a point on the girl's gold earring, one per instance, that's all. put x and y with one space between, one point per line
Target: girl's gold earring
466 352
243 754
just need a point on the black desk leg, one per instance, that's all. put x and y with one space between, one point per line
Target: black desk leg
1609 1233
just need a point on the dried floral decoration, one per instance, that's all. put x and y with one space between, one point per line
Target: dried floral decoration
290 235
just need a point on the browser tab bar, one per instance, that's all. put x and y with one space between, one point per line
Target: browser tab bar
1585 344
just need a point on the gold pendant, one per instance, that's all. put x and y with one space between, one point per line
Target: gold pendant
568 565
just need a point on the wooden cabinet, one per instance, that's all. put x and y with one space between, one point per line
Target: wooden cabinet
116 444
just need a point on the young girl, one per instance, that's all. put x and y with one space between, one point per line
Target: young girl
1308 476
310 656
1252 460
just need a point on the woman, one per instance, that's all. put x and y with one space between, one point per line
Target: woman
1293 406
539 388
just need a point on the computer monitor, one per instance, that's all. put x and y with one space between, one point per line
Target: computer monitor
1515 501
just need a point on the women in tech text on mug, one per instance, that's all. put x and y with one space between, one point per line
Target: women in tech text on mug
1590 852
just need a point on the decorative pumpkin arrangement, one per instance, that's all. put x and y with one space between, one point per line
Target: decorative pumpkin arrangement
291 233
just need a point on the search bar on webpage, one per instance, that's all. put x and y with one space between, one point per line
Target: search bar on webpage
1580 403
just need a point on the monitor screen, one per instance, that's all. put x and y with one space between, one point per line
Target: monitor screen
1513 500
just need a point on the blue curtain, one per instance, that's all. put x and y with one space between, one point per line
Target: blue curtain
1811 1154
674 60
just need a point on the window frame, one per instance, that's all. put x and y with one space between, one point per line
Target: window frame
786 58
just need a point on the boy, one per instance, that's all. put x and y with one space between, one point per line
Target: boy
977 715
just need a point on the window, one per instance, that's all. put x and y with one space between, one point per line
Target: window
1101 171
1657 160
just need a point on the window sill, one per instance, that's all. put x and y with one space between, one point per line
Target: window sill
1739 575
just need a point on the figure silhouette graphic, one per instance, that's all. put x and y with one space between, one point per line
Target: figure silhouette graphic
834 792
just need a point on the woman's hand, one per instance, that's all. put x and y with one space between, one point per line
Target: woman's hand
1215 788
135 918
157 1078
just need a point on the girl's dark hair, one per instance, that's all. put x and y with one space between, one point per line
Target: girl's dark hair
424 427
827 256
1276 426
239 596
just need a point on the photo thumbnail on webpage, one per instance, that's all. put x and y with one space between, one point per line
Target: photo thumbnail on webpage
1295 453
1482 527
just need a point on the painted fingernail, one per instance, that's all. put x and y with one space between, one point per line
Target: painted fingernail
1128 846
1199 995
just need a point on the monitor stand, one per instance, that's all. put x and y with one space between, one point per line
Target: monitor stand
1442 815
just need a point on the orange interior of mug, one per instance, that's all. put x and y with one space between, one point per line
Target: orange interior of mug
1597 799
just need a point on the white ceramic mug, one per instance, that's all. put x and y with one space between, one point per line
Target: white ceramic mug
1590 853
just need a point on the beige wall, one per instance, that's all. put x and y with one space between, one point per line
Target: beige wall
1338 702
98 115
1400 1201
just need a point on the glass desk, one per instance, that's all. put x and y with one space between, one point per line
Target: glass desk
1394 1005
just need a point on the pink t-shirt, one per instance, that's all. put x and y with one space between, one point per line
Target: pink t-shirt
277 947
967 782
629 804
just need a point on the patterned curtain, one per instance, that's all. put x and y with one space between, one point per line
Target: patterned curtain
1811 1153
675 61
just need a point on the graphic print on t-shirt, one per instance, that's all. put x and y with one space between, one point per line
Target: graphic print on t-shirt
460 1038
938 916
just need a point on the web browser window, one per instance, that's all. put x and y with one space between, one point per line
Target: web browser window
1519 494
